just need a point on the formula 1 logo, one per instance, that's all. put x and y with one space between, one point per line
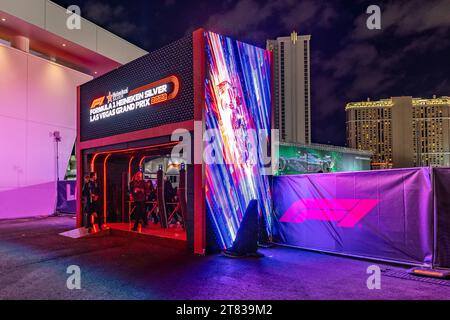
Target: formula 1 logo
346 212
98 102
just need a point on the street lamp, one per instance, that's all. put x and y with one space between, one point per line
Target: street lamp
57 139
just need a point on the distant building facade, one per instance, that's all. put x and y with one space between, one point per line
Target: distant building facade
292 87
401 131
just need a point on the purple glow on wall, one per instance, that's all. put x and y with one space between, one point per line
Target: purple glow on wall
36 200
38 97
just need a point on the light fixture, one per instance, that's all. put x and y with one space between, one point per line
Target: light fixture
64 45
3 19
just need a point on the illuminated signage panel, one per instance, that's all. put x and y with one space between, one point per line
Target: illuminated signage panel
124 101
152 91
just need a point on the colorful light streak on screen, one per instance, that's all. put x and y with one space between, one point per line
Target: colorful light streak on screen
237 100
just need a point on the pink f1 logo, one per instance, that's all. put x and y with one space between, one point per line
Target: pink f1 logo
346 212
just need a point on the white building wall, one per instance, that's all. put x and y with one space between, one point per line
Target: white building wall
37 98
52 18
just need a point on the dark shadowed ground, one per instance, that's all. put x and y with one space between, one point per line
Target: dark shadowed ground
34 259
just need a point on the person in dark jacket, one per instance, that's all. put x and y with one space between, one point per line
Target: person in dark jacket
150 194
168 196
92 192
85 197
153 197
137 189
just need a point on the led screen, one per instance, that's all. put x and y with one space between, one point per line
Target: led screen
304 159
238 100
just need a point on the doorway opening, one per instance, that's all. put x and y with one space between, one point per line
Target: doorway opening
166 185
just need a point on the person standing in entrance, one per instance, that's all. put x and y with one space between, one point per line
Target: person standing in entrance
137 188
92 192
85 201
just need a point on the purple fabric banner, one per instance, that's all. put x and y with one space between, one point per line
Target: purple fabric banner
383 214
67 197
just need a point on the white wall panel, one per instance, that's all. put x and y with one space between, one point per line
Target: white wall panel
56 19
53 18
41 157
12 153
38 97
53 100
13 69
32 11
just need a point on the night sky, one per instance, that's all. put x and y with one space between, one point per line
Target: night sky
410 55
